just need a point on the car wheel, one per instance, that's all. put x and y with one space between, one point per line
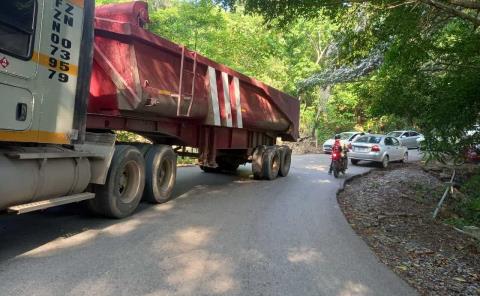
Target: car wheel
385 162
354 161
405 158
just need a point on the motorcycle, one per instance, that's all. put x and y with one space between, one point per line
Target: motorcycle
339 164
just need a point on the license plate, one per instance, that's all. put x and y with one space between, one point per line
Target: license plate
360 149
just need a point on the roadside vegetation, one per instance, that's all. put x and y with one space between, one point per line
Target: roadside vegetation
392 211
466 209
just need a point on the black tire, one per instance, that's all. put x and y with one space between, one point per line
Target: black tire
257 162
336 173
160 173
285 161
405 158
385 161
271 163
354 161
122 192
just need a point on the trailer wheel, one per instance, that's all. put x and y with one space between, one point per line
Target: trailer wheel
285 160
161 173
257 162
121 193
271 163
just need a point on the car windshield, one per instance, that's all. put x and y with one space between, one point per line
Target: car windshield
395 134
369 139
346 136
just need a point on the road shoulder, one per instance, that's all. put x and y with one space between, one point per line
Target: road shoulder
391 210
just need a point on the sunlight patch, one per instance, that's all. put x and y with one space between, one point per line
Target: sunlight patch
303 255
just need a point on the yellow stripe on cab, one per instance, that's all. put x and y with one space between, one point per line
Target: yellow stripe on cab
44 61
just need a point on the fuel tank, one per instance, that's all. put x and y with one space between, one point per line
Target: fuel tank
29 180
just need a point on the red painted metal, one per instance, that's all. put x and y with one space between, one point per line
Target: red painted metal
147 84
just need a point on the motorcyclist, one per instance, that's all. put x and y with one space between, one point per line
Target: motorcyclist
339 147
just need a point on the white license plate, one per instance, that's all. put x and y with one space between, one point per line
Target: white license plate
361 149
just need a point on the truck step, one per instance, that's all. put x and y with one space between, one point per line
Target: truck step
45 204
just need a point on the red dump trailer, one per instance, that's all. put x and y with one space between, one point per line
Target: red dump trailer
123 77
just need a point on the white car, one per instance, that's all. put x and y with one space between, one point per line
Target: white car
345 137
377 148
407 138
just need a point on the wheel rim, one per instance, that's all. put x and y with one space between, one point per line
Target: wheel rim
385 161
405 157
128 182
163 174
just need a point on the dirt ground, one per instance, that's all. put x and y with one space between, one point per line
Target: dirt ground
392 211
304 146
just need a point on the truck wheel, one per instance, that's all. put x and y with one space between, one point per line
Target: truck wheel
121 194
257 162
286 160
161 173
271 163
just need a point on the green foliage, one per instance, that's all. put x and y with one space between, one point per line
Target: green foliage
103 2
470 208
186 161
430 60
224 37
129 137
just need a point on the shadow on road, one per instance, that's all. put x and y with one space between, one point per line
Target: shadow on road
22 233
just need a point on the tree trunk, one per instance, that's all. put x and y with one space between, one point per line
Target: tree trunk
321 108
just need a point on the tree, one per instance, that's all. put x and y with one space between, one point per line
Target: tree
418 60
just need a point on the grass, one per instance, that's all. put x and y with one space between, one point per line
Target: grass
186 160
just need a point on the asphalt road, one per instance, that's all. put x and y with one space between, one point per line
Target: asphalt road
221 235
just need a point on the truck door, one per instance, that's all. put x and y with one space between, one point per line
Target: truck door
17 62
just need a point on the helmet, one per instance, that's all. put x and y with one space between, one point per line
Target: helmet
337 137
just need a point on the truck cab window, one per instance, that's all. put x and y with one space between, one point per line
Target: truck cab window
17 28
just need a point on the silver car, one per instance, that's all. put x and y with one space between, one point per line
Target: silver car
345 137
378 148
407 138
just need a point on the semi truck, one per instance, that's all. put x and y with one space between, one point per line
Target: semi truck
72 75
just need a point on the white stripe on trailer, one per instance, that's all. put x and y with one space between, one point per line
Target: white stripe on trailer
214 96
226 96
238 105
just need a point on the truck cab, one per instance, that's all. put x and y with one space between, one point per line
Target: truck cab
43 67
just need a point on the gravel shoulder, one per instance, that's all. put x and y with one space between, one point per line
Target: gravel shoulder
391 210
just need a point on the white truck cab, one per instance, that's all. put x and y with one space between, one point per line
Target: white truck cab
40 57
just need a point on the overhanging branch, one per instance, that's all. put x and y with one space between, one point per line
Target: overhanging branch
452 10
466 3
